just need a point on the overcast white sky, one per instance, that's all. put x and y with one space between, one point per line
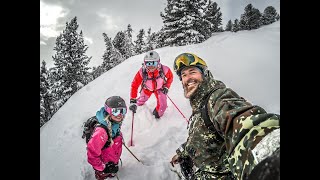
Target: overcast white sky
246 61
110 16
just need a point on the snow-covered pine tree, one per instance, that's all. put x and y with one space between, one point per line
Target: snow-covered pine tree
111 56
235 26
71 63
93 73
45 95
228 26
159 38
250 19
182 21
121 42
97 71
151 40
128 32
140 42
57 89
212 19
269 15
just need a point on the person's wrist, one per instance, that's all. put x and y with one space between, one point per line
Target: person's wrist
133 101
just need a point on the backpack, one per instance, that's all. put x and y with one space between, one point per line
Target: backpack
88 129
145 76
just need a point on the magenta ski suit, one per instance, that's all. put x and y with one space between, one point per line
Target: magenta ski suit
97 156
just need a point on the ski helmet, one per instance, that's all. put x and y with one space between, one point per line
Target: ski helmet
188 60
115 102
151 56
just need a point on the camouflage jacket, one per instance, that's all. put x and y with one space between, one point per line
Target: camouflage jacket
239 127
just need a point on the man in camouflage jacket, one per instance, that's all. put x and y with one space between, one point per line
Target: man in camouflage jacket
242 135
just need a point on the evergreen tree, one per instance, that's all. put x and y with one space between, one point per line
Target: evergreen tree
93 72
269 15
151 40
128 32
235 26
242 23
182 22
140 42
229 26
71 63
250 19
97 71
45 95
159 38
111 56
58 89
121 42
220 29
212 19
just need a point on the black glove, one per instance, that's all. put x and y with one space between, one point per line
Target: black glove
133 105
111 168
165 90
100 175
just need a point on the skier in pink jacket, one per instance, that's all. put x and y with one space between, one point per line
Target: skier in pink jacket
105 145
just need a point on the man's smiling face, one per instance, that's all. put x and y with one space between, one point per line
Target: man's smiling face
191 78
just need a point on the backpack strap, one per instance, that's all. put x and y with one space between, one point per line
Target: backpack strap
204 114
162 75
109 134
105 128
144 75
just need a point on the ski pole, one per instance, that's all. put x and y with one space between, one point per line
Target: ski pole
131 141
178 109
131 152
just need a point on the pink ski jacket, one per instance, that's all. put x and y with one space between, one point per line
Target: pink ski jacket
97 156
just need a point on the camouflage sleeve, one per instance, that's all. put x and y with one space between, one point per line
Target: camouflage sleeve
181 150
242 126
224 106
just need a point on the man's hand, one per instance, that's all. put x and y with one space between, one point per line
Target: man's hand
175 160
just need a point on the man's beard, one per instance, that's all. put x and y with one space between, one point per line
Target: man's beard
191 88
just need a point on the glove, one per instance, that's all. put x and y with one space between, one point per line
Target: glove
175 160
133 106
100 175
111 168
165 90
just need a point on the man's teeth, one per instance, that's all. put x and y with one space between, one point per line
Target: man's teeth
191 83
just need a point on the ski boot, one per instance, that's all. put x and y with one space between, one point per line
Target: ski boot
155 113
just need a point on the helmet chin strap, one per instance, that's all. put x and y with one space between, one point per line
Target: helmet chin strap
152 70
